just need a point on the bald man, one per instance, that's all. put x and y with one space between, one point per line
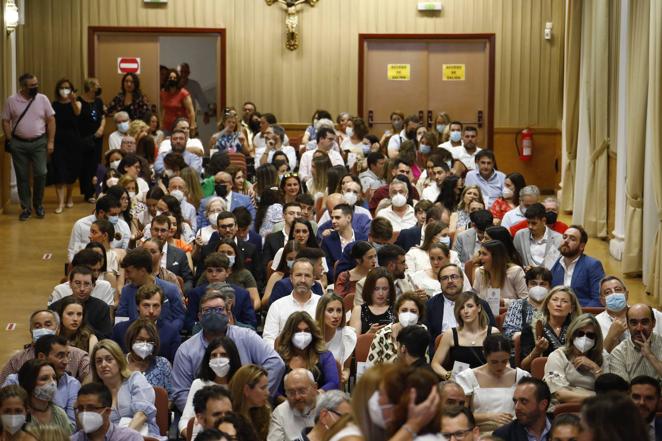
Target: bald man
641 354
223 188
451 394
296 413
179 190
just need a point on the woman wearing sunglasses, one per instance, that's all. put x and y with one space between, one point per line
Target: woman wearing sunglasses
571 370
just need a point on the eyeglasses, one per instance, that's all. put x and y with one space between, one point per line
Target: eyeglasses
460 434
589 334
217 310
450 277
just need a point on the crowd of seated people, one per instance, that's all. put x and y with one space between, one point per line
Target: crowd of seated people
272 287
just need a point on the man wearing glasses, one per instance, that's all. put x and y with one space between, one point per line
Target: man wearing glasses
93 414
292 416
641 353
457 423
97 313
440 314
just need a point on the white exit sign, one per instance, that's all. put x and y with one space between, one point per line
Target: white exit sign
430 6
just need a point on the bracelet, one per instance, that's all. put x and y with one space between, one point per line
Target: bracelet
410 431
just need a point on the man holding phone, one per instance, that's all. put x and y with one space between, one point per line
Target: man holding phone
641 354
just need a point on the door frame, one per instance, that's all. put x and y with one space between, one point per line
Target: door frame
490 38
92 32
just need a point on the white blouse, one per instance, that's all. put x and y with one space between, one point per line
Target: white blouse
342 344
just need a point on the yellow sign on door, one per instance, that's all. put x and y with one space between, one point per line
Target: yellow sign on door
453 72
398 72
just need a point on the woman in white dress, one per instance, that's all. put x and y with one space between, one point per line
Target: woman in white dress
489 388
340 339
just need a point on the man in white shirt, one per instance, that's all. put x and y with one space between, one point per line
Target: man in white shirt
439 172
455 139
466 152
179 190
400 213
373 177
122 123
275 135
102 289
528 196
489 179
411 124
260 139
537 245
301 299
292 416
326 138
107 207
193 145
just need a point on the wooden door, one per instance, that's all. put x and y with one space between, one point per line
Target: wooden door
460 82
111 46
465 92
396 74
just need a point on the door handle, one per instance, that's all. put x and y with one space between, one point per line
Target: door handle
371 118
479 119
421 115
429 118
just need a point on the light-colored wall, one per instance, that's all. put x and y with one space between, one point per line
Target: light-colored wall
323 71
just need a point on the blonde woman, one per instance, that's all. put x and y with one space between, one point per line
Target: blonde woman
459 220
340 339
249 389
192 179
133 396
230 137
318 185
548 333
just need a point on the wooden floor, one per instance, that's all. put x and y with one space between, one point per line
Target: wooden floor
26 279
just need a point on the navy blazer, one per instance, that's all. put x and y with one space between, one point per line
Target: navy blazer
333 250
514 431
177 262
284 288
360 224
169 338
272 243
409 237
242 309
434 315
172 310
585 279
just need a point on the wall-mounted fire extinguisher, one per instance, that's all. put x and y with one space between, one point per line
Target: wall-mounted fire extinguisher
525 149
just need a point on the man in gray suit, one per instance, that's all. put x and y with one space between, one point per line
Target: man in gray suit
173 259
467 242
537 245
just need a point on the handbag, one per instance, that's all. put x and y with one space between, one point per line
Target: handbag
13 132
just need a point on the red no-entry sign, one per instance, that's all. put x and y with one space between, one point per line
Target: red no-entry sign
128 65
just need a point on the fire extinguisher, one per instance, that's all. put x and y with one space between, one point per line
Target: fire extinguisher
525 152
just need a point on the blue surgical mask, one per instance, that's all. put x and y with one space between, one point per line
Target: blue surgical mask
456 135
446 240
123 127
616 302
40 332
425 149
113 219
366 148
440 128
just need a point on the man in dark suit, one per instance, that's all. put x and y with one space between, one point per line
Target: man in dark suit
227 229
577 270
645 392
149 299
439 311
217 270
411 237
343 234
175 259
532 398
275 241
244 231
97 313
360 221
232 199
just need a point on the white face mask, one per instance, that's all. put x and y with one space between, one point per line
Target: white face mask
115 164
65 92
301 340
231 259
45 392
12 423
350 197
132 194
212 218
142 349
111 182
538 293
220 366
399 200
407 318
583 344
40 332
123 127
375 411
349 131
507 193
90 421
177 194
168 173
290 264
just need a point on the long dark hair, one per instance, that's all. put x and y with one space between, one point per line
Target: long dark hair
174 208
269 197
447 197
239 257
502 234
312 241
137 93
290 246
205 372
518 182
117 191
104 260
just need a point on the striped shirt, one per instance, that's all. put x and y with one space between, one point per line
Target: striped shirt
627 361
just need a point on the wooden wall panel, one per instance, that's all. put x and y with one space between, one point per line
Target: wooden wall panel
323 71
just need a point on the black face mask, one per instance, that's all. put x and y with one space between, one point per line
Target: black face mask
171 84
411 134
32 91
214 323
551 217
98 92
255 126
221 190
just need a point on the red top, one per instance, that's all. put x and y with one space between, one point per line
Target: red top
499 208
173 105
558 226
